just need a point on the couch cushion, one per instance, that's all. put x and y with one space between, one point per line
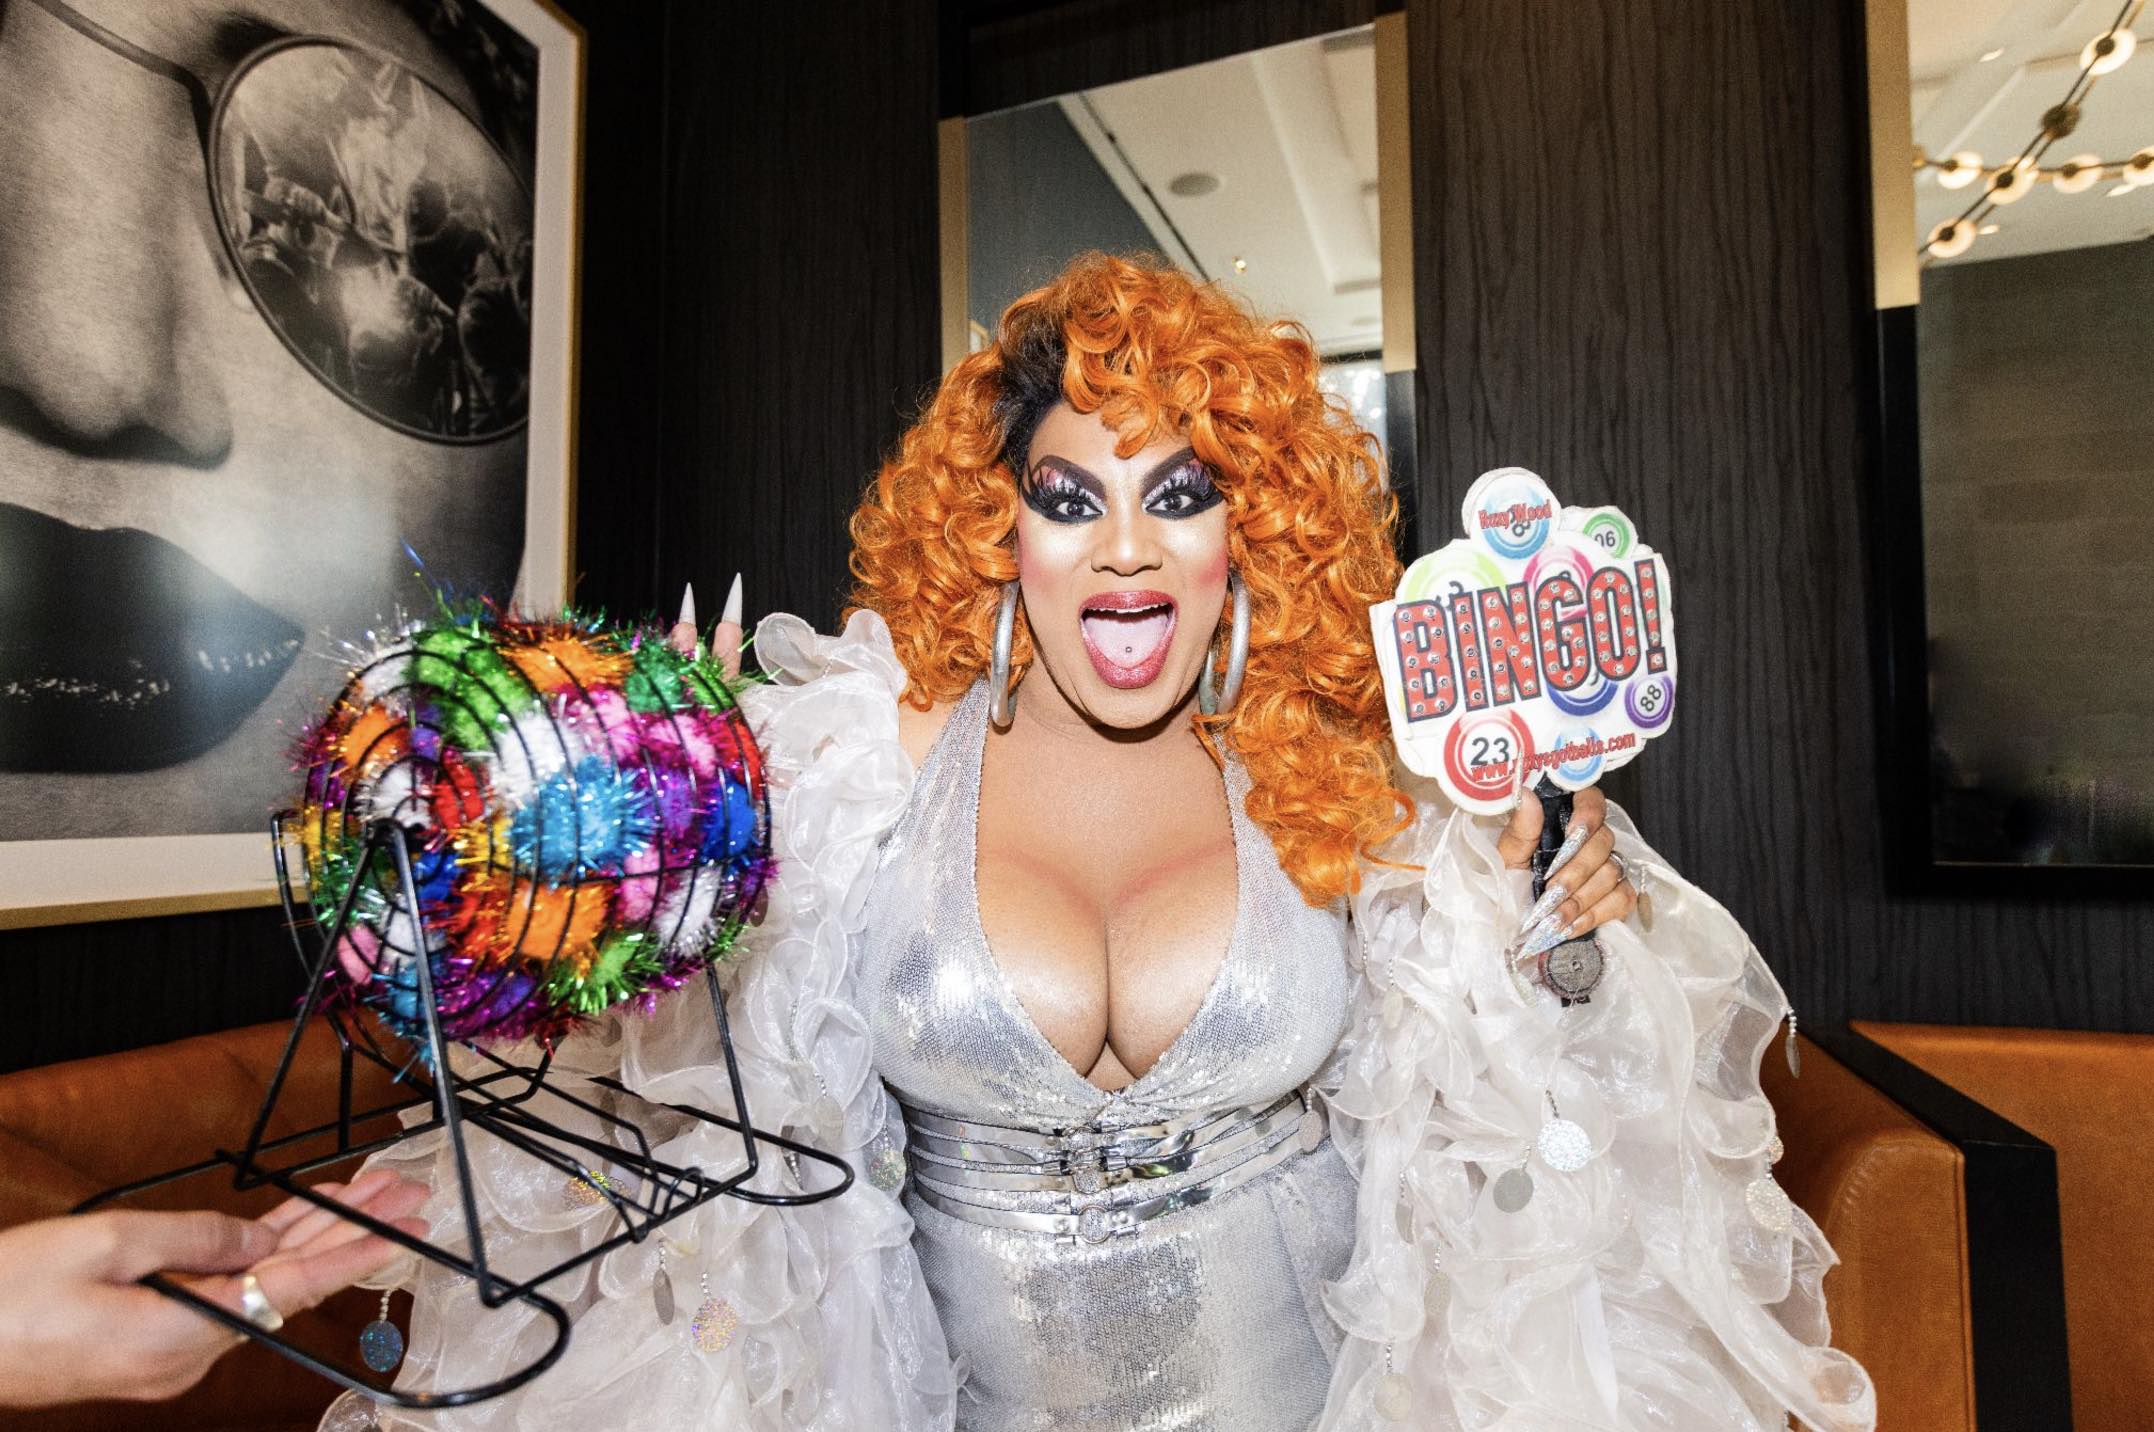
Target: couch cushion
1888 1194
2087 1096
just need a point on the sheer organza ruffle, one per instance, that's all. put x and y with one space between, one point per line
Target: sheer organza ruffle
834 1327
1640 1292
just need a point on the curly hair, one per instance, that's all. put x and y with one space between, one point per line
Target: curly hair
1309 530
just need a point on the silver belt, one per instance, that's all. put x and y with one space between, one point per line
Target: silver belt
1091 1163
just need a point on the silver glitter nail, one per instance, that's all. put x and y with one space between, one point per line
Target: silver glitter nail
1545 935
1570 847
1551 897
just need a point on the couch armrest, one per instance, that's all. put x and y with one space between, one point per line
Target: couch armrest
2013 1263
2086 1094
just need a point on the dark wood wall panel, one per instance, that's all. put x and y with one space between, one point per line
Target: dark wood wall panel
801 307
1638 272
621 375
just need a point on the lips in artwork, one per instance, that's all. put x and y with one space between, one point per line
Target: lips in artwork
119 652
1127 635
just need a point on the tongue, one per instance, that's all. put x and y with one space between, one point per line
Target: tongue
1126 639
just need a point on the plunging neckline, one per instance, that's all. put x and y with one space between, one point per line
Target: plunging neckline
1001 978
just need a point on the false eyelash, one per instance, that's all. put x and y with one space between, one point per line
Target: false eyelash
1051 487
1191 477
1052 483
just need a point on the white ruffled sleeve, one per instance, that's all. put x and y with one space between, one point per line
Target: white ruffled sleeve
831 1325
1667 1285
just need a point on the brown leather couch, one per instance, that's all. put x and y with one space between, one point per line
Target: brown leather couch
1902 1173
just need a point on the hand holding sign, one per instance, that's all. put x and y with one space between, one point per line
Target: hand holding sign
1540 644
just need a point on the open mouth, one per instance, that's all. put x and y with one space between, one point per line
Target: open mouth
119 652
1126 634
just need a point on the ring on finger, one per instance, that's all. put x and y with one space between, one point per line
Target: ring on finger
255 1307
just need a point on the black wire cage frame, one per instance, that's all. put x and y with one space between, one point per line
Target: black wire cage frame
493 1095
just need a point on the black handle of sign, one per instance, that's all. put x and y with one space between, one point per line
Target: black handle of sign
1555 819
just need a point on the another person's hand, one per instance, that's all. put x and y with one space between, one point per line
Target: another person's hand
74 1323
1586 885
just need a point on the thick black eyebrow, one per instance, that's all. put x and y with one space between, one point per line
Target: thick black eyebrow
1094 485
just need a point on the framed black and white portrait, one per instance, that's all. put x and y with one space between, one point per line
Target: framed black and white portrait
286 310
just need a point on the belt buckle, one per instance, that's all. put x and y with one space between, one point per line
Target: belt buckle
1084 1159
1101 1222
1090 1176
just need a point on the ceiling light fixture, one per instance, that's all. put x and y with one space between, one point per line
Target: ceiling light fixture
2008 183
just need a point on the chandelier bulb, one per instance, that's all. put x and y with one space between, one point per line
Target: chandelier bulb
2010 185
1960 170
2108 52
2077 174
1950 239
2139 169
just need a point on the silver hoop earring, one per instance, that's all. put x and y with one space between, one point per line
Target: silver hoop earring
1001 702
1237 656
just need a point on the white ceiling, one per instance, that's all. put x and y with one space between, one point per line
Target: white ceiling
1290 133
1994 107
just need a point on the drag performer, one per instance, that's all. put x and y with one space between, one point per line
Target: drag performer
1178 1035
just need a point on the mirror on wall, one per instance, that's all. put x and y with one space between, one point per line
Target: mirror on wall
1278 172
2019 397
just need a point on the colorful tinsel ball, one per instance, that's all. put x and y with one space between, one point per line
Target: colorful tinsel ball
584 809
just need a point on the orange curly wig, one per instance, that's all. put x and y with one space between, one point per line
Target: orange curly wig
1309 529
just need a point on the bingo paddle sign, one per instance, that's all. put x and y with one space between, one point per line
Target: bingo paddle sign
1542 643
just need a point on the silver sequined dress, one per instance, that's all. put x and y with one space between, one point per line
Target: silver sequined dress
1207 1317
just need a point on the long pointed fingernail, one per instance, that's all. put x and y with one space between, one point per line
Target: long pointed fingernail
1545 935
1570 847
1553 896
687 618
732 603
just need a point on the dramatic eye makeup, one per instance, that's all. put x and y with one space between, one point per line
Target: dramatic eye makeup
1185 489
1061 491
1061 494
